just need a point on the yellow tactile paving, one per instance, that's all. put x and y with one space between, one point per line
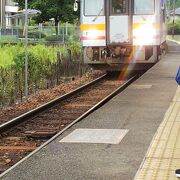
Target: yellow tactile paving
163 156
177 95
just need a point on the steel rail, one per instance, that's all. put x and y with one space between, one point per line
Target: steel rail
95 107
5 126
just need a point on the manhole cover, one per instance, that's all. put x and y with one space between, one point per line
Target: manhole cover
104 136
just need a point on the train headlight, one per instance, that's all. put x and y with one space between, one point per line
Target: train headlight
144 34
92 34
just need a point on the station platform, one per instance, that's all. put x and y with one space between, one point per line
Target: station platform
136 135
163 156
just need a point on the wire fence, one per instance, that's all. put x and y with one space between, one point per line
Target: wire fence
40 34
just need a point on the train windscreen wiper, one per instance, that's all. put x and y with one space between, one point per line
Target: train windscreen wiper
101 10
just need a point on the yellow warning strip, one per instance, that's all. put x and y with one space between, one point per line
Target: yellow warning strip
86 27
163 156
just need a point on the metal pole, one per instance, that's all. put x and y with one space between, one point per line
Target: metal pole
26 48
66 28
58 29
1 16
174 6
1 13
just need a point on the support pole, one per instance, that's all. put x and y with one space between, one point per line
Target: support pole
1 13
26 48
174 6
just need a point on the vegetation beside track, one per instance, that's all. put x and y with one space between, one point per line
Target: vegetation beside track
44 96
176 38
46 67
174 27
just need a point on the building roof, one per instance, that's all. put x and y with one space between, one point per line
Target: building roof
30 12
177 12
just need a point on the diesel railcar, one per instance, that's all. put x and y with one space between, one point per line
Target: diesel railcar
115 33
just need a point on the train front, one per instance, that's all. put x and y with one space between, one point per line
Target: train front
119 33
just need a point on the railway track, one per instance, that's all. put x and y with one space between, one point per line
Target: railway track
33 130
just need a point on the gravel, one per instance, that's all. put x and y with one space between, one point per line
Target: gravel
44 96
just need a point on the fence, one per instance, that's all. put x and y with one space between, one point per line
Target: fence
40 34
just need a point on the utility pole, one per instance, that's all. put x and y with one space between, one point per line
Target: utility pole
26 48
1 13
1 6
174 7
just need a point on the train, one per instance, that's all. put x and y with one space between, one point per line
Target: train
122 33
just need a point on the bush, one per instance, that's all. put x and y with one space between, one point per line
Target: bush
54 38
8 40
34 35
176 27
19 60
75 47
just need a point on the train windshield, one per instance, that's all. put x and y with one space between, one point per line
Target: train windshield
94 7
143 6
119 7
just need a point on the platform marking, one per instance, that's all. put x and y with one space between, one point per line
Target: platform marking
141 86
102 136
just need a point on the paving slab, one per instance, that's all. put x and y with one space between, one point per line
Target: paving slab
95 136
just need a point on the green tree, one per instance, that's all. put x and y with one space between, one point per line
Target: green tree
177 3
170 3
60 10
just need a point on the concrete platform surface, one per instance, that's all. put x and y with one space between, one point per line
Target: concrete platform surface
140 109
163 156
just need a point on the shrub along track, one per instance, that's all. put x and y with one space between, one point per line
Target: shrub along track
22 135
